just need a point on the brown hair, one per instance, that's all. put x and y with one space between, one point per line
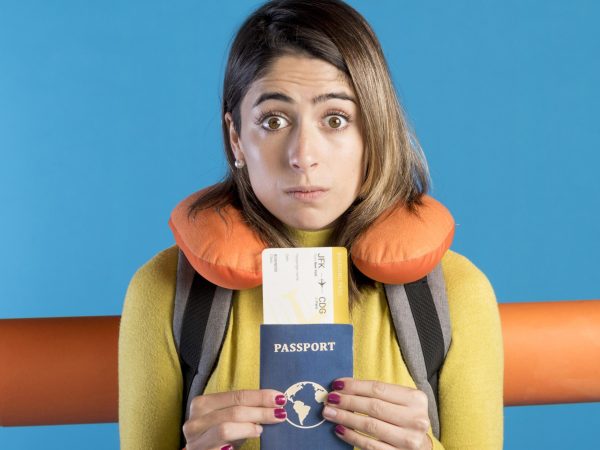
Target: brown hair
395 168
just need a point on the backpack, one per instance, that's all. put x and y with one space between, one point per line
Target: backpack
419 311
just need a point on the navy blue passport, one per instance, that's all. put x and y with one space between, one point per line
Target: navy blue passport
301 361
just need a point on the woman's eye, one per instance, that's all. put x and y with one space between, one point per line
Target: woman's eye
274 123
336 121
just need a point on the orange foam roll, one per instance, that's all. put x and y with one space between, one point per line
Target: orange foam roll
64 370
58 370
551 352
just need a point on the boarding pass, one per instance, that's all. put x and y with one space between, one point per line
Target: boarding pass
305 285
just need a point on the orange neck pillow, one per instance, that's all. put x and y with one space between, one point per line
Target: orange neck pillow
398 248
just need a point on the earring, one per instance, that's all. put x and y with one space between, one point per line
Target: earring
239 163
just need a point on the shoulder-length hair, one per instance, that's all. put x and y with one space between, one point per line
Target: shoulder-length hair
395 169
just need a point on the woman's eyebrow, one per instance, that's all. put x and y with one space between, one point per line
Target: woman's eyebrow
338 95
318 99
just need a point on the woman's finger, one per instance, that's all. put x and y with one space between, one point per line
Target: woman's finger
392 393
361 441
393 435
234 414
400 415
222 435
204 404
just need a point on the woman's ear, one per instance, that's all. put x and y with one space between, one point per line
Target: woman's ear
234 138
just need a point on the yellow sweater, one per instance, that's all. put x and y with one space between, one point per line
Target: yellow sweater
150 380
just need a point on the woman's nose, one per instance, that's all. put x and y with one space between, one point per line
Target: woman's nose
303 154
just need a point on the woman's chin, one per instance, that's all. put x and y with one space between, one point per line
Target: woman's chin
308 223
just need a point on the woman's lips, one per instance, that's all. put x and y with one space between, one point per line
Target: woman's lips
307 194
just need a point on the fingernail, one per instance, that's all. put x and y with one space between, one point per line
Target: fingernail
280 413
259 429
339 429
337 385
333 398
227 447
280 399
329 411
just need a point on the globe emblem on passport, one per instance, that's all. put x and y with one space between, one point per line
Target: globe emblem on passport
304 404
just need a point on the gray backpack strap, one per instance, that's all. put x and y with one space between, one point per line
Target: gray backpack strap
185 276
200 320
420 314
214 336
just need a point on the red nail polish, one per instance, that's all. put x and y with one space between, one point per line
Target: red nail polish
280 413
280 399
339 429
333 398
337 385
227 447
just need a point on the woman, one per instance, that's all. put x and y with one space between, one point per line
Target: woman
318 151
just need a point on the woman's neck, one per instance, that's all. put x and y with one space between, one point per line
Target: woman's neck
318 238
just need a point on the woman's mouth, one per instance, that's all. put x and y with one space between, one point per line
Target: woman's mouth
306 193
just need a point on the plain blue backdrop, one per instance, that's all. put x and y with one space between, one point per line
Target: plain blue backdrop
109 115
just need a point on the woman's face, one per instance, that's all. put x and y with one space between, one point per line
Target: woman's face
301 141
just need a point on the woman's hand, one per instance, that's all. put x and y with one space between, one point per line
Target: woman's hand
396 416
227 419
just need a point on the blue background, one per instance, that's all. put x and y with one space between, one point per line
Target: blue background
109 115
